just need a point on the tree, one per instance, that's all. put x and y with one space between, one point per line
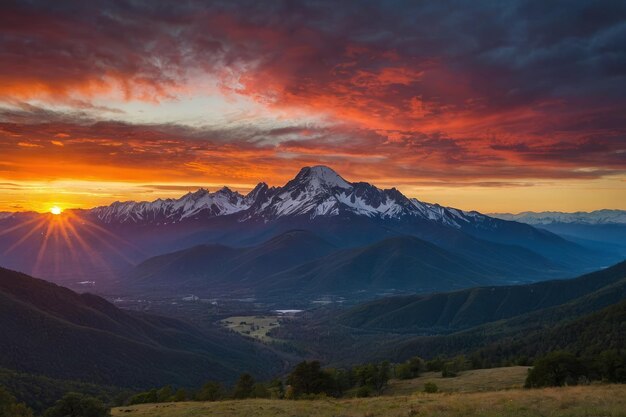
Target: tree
435 365
556 369
244 387
310 378
9 407
211 391
180 395
276 389
259 390
409 369
144 397
375 376
611 365
452 367
343 380
77 405
165 394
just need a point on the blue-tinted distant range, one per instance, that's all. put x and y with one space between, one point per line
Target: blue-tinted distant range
600 229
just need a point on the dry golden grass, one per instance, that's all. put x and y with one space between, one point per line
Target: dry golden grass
588 401
469 381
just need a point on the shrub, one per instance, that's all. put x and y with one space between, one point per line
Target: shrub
435 365
260 391
375 376
144 397
77 405
431 387
611 365
180 395
310 378
211 391
276 389
9 407
244 387
363 391
556 369
409 369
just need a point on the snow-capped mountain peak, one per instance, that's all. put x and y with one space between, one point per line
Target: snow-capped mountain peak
549 217
315 191
320 191
256 193
198 203
320 177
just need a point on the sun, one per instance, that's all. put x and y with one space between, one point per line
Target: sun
56 210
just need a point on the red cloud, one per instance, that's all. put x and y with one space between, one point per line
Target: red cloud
406 94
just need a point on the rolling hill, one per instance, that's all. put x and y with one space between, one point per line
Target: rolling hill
445 312
213 267
302 265
499 324
395 264
52 331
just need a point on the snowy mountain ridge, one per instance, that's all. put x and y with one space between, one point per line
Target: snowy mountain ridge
315 191
549 217
221 202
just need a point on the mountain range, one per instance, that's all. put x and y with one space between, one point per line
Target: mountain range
107 242
581 217
603 230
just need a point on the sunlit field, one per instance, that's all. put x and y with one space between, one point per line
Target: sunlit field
256 327
468 381
595 400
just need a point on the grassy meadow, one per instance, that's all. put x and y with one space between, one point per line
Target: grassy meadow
484 392
476 380
588 401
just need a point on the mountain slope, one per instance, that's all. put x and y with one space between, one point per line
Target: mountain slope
50 330
472 307
587 325
217 267
396 264
396 329
301 264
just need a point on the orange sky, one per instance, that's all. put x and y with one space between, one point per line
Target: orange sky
109 103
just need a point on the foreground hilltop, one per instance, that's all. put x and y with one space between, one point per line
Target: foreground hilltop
602 400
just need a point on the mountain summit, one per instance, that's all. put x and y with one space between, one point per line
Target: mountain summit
320 177
315 191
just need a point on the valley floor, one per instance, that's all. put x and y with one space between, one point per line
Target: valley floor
593 400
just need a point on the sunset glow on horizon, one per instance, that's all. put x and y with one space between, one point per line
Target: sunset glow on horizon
103 102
